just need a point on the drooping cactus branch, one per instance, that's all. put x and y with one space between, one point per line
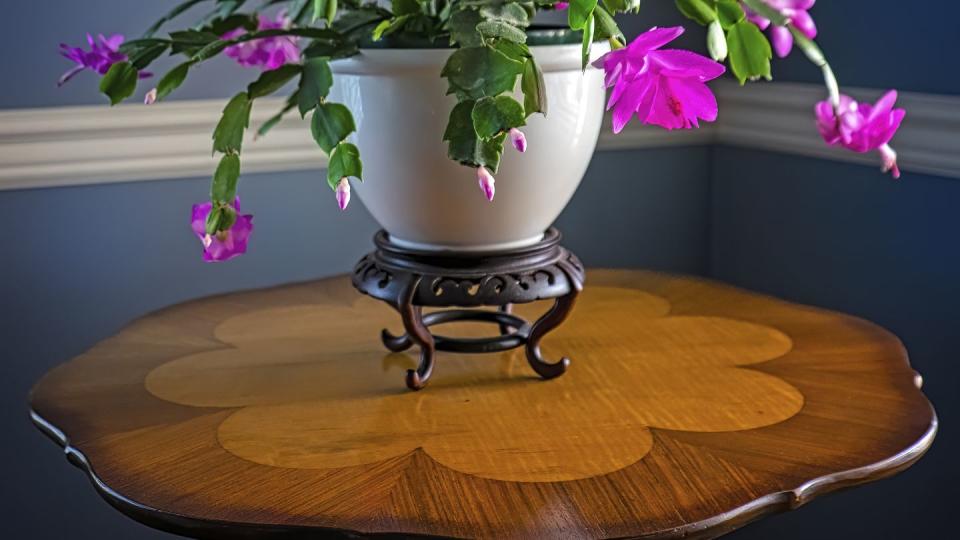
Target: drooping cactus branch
295 40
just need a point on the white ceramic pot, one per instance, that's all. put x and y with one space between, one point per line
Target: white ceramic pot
424 200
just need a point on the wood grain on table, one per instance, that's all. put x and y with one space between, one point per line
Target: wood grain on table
690 408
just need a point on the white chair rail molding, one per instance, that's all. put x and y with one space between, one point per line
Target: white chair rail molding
92 144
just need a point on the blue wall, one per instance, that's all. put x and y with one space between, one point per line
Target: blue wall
41 26
885 44
842 236
836 235
846 237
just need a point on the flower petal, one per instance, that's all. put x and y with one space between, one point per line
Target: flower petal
697 99
883 106
654 39
69 75
803 22
782 41
198 218
781 5
681 63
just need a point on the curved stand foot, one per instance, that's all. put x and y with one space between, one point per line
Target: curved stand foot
395 343
414 382
550 320
417 333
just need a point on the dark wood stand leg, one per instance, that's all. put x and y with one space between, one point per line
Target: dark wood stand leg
395 343
417 332
551 319
508 309
409 280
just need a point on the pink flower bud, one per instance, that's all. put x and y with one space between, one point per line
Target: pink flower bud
151 97
486 182
518 139
206 241
889 157
343 193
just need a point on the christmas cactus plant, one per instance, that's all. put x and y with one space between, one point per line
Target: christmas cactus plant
295 41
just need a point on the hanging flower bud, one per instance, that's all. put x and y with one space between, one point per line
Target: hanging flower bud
716 42
151 97
343 193
889 157
486 182
518 139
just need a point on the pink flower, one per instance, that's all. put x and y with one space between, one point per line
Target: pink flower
343 193
487 182
267 53
796 13
518 139
862 127
561 5
151 97
224 245
662 87
104 52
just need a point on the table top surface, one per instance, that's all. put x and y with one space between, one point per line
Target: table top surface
690 408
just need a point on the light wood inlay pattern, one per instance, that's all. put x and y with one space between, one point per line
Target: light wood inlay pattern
690 407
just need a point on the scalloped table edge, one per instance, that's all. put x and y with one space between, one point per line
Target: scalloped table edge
772 503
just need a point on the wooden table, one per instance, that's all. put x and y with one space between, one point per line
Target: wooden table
690 408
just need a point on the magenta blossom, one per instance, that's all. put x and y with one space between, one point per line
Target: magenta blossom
267 53
662 87
796 13
561 5
862 127
224 245
104 52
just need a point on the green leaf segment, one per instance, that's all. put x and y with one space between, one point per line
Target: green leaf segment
748 49
482 73
331 123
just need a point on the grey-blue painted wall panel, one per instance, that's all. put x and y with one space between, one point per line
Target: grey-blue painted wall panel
884 44
77 263
847 238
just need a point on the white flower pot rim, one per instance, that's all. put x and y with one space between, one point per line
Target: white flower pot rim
550 58
537 35
556 48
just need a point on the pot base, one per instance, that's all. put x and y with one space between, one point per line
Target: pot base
411 279
478 248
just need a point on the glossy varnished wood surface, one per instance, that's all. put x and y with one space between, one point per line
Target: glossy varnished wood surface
690 409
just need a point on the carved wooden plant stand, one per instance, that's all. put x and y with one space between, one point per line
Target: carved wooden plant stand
410 280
